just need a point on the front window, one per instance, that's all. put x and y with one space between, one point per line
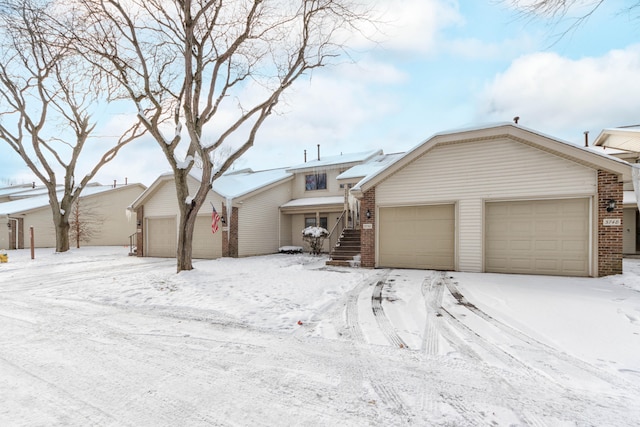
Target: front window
311 222
316 181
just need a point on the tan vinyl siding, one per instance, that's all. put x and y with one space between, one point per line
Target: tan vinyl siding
629 233
43 229
111 208
471 229
333 186
206 244
163 202
471 173
258 218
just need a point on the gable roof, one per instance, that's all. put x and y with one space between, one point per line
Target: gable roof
230 185
371 166
39 201
242 183
508 130
627 139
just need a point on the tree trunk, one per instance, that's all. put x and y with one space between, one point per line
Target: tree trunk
187 220
62 235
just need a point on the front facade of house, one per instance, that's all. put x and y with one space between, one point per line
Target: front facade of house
498 199
501 199
263 210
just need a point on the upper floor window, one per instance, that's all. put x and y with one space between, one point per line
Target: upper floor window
316 181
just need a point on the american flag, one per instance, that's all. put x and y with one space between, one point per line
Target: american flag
215 219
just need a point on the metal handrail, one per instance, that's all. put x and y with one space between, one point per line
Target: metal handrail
133 244
334 237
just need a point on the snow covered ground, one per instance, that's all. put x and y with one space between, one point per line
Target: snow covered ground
95 337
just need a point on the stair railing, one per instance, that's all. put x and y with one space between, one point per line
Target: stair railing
133 244
335 236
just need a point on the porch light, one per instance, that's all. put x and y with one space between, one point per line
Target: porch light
611 205
368 214
223 220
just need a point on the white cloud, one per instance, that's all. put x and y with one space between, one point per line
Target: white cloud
410 26
559 95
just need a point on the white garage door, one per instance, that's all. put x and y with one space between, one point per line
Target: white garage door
206 244
538 237
417 237
161 237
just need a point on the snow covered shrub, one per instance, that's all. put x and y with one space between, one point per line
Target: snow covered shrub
315 237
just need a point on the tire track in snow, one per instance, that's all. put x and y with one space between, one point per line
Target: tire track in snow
382 320
533 345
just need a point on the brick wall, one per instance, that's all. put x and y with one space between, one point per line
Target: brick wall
368 236
230 234
609 237
140 231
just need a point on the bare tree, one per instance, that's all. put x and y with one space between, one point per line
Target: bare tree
85 222
568 15
46 95
219 64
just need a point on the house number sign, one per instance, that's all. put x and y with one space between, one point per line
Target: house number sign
367 226
611 221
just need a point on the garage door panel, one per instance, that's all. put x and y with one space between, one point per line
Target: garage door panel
162 238
417 237
538 237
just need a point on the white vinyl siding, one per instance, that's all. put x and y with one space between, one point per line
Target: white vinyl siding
474 172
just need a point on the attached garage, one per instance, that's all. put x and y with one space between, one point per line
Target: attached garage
162 235
538 237
417 237
500 198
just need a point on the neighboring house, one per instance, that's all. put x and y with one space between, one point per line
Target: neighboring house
247 202
30 208
500 198
262 210
624 143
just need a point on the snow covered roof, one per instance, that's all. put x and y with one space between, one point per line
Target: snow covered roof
42 200
236 184
329 161
314 201
372 165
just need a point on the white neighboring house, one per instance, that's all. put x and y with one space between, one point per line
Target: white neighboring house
30 207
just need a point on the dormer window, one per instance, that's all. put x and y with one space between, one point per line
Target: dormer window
316 181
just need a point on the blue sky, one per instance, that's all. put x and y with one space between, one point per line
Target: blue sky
441 65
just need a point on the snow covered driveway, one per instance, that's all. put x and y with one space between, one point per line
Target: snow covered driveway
93 337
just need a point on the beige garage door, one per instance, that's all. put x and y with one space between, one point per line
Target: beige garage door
538 237
206 244
161 237
417 237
